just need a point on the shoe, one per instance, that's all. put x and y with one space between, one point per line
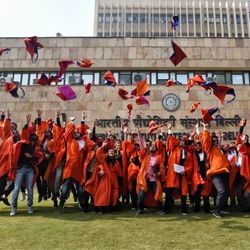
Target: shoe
45 197
23 196
217 215
81 206
55 204
5 201
30 210
49 195
13 211
40 198
184 214
224 212
139 211
61 205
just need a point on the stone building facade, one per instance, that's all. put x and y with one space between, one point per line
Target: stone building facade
209 56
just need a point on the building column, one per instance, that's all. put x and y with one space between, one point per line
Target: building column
235 22
132 15
104 21
201 19
208 22
111 17
228 21
215 27
241 20
221 20
187 19
194 19
166 3
180 22
248 21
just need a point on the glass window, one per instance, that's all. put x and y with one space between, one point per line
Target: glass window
9 76
162 77
129 18
107 18
219 77
224 17
135 17
25 79
33 78
87 78
156 18
114 18
190 18
237 78
182 78
125 78
246 78
153 78
97 78
139 76
67 78
17 77
183 18
228 78
172 75
190 74
100 18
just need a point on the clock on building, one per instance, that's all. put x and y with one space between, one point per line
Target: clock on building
171 102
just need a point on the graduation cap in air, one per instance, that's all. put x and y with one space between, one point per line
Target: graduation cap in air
196 80
87 88
170 83
66 93
178 54
45 80
130 108
123 94
141 100
110 79
142 89
85 63
32 46
220 92
63 67
174 22
194 106
153 126
4 51
207 114
13 89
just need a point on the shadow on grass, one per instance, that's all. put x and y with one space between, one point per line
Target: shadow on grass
72 213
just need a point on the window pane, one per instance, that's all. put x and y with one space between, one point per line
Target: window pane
97 78
87 78
125 78
237 79
228 78
139 76
246 78
162 77
17 77
25 79
182 78
219 78
153 78
33 78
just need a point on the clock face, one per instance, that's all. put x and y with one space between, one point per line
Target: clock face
171 102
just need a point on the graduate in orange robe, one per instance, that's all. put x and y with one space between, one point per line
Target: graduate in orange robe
150 174
176 183
218 171
73 169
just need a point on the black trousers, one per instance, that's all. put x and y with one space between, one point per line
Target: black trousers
133 195
221 183
197 201
41 184
3 183
142 195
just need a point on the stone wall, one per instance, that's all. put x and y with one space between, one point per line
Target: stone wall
127 53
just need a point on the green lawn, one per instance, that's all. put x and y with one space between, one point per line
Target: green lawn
48 228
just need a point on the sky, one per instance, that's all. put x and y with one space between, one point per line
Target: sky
22 18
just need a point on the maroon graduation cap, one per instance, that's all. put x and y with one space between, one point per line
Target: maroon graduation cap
178 54
32 46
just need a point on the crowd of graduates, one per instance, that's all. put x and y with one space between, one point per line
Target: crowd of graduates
122 171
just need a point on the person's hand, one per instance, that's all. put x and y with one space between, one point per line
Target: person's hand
182 173
8 114
169 125
28 118
58 114
205 126
139 130
39 113
219 134
243 122
101 173
2 111
192 133
83 116
96 121
46 156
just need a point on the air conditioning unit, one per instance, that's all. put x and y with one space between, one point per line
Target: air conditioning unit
139 76
75 80
211 79
3 80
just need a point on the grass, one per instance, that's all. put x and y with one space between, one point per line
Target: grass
48 228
